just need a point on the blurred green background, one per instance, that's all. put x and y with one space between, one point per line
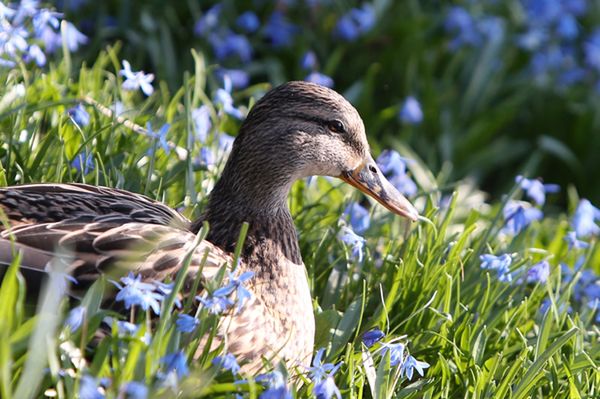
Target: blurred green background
505 87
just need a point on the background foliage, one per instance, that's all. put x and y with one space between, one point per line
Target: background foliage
505 86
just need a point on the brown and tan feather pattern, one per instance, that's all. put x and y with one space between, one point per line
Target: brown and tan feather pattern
289 134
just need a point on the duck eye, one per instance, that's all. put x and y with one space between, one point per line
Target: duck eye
336 126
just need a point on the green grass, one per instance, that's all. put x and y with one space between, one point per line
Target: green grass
483 338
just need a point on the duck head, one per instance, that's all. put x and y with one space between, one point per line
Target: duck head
301 129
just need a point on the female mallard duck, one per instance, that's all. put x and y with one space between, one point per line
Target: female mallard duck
296 130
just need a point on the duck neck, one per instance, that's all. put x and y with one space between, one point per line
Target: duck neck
237 198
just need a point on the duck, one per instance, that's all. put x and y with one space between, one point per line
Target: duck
296 130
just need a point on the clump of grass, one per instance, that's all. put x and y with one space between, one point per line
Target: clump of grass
422 285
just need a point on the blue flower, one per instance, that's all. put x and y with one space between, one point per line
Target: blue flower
73 37
355 22
501 264
225 142
321 375
215 304
79 115
309 61
535 189
75 318
391 163
45 18
165 289
209 21
518 215
396 353
573 242
320 79
411 112
224 99
35 53
136 80
51 39
319 370
202 123
279 31
359 217
584 219
206 157
14 41
236 284
27 8
186 323
134 390
591 50
326 389
6 12
228 44
404 184
273 379
539 272
460 22
493 262
227 362
84 162
356 242
176 362
248 22
239 78
276 393
135 292
161 136
411 364
372 336
89 388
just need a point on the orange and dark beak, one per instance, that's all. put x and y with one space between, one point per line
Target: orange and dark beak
368 178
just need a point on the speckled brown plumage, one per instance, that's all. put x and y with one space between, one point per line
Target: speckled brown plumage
296 130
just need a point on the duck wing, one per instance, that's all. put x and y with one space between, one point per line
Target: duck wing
97 230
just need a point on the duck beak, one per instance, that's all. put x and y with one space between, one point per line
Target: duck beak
368 178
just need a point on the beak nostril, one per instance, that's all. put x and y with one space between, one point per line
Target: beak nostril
373 169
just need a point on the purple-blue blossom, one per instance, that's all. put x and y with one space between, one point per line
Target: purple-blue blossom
75 318
410 364
248 22
535 189
355 22
396 352
135 292
584 219
358 216
573 242
202 123
239 78
136 80
134 390
186 323
160 136
501 264
227 362
176 362
309 61
518 215
73 37
279 31
79 115
373 336
411 112
321 375
390 162
215 304
83 162
228 44
237 285
354 241
539 272
89 388
320 79
209 21
224 99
